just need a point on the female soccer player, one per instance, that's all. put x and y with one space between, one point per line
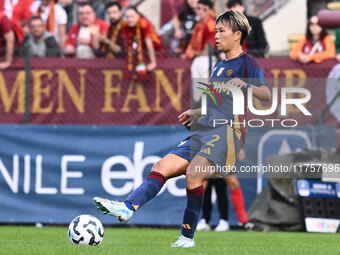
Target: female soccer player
207 146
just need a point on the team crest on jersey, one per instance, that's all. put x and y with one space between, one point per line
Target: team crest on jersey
229 72
213 72
220 71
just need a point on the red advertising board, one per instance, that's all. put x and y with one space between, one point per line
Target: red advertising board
71 91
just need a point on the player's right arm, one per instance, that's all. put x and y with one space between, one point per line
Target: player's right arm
255 81
261 92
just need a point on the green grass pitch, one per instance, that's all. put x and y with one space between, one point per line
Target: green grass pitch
54 240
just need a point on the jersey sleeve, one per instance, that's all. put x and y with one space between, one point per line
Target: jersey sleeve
5 25
72 36
297 50
255 73
103 26
25 10
146 28
62 15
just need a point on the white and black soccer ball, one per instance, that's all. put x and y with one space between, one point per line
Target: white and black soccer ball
85 230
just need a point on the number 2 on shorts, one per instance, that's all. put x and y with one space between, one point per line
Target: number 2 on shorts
211 142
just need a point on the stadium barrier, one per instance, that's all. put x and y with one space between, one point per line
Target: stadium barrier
72 101
49 169
74 91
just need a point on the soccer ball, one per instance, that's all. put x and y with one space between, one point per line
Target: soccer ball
86 230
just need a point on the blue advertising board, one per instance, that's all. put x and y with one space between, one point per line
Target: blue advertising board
51 173
316 188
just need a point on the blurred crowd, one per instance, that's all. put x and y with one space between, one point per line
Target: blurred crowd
116 29
113 29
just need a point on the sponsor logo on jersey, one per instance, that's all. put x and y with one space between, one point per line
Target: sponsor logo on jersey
229 72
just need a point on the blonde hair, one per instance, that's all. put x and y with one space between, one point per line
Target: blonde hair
236 21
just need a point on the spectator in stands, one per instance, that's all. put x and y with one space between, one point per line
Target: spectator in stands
99 8
203 35
256 42
7 41
41 42
204 31
54 17
68 6
184 24
316 46
99 5
222 200
139 36
84 38
236 198
113 43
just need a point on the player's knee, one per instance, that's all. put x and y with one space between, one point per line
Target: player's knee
192 183
157 167
162 168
